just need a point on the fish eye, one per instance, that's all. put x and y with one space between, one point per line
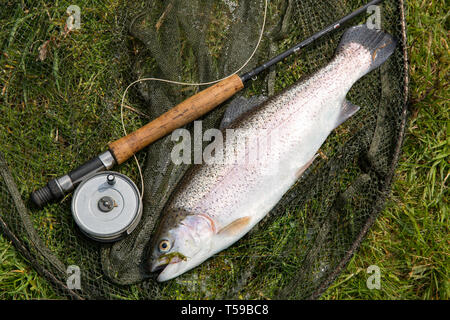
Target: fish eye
164 245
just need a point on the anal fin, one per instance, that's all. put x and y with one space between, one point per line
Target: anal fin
348 109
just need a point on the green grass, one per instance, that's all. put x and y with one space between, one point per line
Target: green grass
17 279
409 240
36 127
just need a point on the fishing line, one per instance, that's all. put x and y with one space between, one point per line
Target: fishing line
185 84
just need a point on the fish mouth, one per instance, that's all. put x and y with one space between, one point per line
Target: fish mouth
171 270
158 266
168 264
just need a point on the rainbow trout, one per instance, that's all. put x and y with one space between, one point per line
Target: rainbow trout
216 204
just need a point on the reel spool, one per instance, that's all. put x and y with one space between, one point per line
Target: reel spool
107 206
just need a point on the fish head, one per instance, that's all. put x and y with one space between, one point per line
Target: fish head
179 246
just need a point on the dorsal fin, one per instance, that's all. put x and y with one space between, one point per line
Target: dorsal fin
238 106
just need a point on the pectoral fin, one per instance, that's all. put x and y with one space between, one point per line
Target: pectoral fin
348 109
235 227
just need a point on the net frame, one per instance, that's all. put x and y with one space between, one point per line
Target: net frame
49 266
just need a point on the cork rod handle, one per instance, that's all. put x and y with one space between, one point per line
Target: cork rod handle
183 113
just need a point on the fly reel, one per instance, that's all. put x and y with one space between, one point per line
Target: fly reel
107 206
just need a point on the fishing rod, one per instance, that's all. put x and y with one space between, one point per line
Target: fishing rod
187 111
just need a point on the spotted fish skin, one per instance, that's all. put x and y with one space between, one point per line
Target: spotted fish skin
217 204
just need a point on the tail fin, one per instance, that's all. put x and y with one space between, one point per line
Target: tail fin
380 44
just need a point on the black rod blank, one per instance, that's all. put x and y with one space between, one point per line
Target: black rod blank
306 42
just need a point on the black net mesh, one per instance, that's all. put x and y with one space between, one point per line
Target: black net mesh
60 99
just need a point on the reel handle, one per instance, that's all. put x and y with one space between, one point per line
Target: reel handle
183 113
